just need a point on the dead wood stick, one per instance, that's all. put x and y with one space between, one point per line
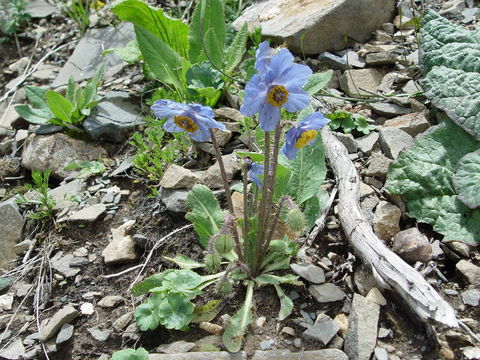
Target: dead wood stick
390 268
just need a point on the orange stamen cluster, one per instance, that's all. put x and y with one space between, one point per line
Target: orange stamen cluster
277 95
185 123
305 138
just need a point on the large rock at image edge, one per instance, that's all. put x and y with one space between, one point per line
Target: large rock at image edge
313 26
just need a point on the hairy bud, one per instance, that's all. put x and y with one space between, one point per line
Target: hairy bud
295 219
212 262
223 244
224 287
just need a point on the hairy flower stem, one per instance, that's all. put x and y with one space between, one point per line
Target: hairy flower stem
218 154
245 230
273 225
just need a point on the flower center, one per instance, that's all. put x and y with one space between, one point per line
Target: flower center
185 123
277 95
305 138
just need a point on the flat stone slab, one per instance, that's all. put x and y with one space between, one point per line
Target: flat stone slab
327 354
87 56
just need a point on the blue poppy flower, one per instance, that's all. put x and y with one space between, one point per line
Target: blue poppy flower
255 172
278 84
195 119
303 135
263 55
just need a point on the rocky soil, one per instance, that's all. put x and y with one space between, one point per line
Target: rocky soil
65 286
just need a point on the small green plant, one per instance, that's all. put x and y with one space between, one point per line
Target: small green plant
48 106
13 17
79 11
348 122
156 149
130 354
87 168
43 203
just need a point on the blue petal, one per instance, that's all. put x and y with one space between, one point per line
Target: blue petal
281 62
291 138
255 171
296 76
167 108
313 122
263 56
205 111
208 123
170 126
269 117
255 95
201 135
297 100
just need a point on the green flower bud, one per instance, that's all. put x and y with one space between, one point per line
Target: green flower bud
224 287
223 244
212 262
295 219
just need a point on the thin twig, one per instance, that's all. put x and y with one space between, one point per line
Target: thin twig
109 276
469 331
320 222
155 247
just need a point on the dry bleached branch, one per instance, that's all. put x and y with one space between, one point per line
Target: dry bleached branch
389 269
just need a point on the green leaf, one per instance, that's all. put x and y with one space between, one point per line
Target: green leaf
176 311
286 304
130 53
237 325
313 206
271 279
467 180
149 283
317 82
308 171
450 61
37 97
130 354
213 25
206 312
185 262
182 280
236 50
147 315
167 65
423 175
205 213
203 75
71 89
34 116
61 108
172 32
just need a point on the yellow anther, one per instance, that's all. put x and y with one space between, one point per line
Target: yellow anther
305 138
277 95
185 123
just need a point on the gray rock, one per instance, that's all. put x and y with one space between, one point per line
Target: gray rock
113 117
381 59
367 143
469 271
62 316
411 245
214 355
326 293
323 330
11 227
10 118
452 7
348 141
386 220
413 123
45 72
111 301
177 177
229 114
87 56
267 344
121 248
378 166
471 297
124 166
89 214
328 23
471 352
330 61
437 251
393 140
61 263
174 200
212 176
122 322
353 81
6 302
56 151
40 8
381 354
19 65
14 351
460 248
353 60
65 333
376 297
176 347
470 15
411 87
361 335
325 354
387 109
309 272
99 334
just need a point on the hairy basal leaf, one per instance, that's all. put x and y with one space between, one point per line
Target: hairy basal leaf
450 61
130 354
205 213
176 311
467 180
423 175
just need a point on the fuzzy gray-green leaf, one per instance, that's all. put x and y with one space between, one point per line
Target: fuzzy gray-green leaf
467 180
